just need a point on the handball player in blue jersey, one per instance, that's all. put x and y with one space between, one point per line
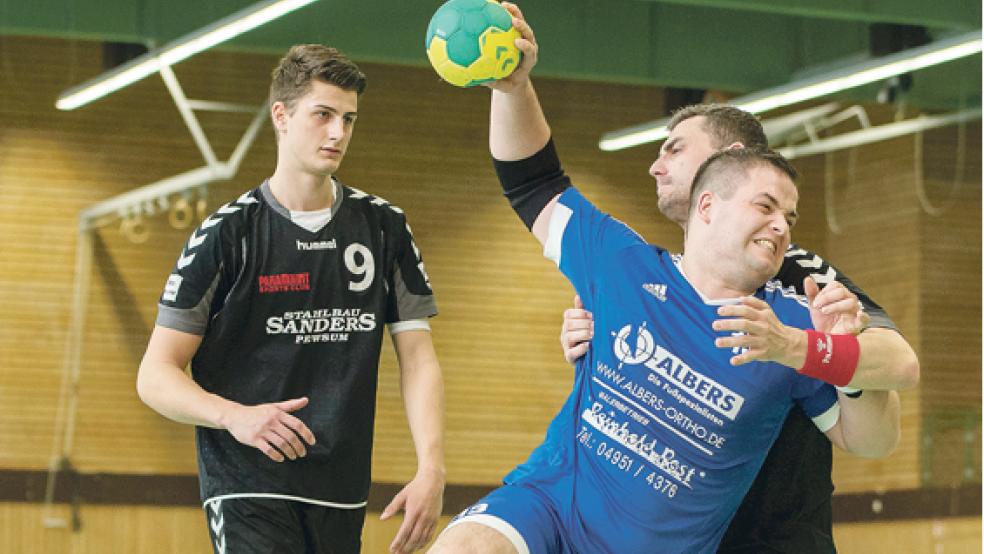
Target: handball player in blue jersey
788 508
662 435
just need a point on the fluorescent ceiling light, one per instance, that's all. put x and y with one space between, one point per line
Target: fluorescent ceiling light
815 87
183 48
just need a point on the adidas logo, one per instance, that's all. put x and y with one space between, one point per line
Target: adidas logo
656 289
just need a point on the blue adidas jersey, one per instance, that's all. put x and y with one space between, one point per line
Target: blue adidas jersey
661 437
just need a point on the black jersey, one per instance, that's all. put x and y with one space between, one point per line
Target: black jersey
788 507
286 312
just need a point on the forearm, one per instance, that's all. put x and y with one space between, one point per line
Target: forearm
169 391
423 396
887 362
517 127
870 425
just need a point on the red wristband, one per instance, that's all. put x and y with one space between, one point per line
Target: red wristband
831 358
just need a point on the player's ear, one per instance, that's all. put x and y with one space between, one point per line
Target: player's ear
736 145
278 115
703 207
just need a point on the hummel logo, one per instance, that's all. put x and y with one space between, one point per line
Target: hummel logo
316 245
657 290
825 346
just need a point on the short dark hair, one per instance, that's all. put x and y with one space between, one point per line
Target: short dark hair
305 62
725 124
734 162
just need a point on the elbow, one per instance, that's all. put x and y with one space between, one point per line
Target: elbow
907 374
882 447
911 372
907 364
144 386
874 448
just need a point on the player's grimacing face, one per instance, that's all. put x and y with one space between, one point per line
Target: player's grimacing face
317 132
687 146
757 220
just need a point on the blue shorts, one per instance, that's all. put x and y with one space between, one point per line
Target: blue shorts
524 515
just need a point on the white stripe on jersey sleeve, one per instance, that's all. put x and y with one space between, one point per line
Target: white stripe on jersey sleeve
398 327
555 232
827 419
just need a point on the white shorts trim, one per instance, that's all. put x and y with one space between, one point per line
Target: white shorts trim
500 525
284 497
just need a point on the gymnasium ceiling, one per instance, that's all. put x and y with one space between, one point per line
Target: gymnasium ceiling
737 46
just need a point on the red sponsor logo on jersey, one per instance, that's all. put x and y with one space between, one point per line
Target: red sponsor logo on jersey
284 282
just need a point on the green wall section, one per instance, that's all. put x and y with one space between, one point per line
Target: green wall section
734 45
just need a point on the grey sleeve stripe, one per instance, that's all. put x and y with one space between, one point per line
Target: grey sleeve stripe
193 320
410 305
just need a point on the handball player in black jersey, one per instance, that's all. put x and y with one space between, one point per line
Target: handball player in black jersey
279 301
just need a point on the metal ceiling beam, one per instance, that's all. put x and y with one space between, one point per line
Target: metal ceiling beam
952 14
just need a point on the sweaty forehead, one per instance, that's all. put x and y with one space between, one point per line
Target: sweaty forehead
765 179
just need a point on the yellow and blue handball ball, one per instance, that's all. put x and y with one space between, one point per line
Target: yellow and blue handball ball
470 42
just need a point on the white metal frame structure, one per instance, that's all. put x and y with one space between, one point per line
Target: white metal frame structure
122 208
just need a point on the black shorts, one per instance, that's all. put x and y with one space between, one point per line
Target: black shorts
276 526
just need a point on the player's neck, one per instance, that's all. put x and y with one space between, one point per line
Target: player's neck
705 275
300 191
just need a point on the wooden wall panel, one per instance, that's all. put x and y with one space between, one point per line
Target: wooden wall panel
872 202
951 305
952 268
946 536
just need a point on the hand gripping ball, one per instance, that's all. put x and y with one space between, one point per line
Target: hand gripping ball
470 42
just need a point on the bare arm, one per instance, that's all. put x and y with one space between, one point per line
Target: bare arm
517 127
423 395
869 426
887 362
164 386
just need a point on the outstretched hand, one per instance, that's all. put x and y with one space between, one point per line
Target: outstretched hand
271 428
835 309
527 45
757 334
421 501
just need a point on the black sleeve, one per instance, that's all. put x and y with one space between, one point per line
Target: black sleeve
800 263
531 183
409 290
194 289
